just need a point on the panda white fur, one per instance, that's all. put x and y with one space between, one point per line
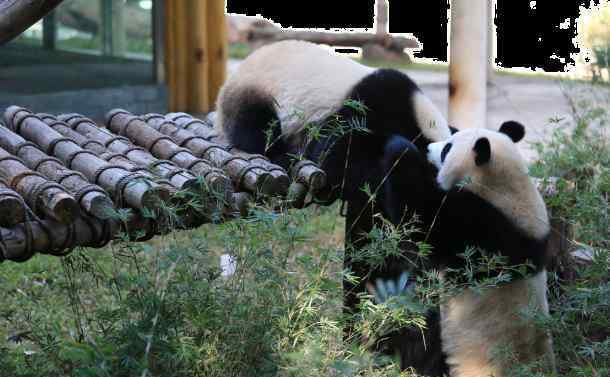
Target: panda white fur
294 83
487 200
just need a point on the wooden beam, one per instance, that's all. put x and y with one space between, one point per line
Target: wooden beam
17 16
197 70
218 47
468 63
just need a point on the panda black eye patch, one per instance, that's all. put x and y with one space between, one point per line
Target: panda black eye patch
445 150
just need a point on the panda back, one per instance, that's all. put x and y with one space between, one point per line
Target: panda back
307 82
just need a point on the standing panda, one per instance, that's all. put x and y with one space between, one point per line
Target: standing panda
280 90
484 198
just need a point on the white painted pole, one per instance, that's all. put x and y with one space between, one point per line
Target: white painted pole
468 63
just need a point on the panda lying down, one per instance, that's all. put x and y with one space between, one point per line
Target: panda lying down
469 189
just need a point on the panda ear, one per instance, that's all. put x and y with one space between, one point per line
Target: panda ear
482 151
453 130
514 130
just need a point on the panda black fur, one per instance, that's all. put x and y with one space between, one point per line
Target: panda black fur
293 83
483 197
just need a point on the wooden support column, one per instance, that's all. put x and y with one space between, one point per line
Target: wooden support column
218 46
198 56
196 53
468 63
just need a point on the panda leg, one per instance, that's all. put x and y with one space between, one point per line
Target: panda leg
250 123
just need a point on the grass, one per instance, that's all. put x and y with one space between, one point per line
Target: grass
163 307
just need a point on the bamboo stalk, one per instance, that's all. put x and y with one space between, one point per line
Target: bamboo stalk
214 178
134 189
304 171
92 198
11 203
165 145
44 197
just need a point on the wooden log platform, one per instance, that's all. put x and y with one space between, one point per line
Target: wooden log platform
135 190
60 176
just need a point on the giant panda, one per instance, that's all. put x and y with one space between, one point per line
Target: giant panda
285 86
482 197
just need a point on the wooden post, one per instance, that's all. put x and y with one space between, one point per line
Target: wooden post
218 47
49 31
119 35
197 56
468 63
382 13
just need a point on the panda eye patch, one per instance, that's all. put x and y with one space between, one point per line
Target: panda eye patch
445 150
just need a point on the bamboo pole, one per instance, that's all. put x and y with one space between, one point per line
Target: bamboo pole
468 64
11 203
92 198
44 197
305 171
134 189
218 47
159 142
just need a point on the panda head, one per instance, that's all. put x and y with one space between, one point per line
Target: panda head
480 157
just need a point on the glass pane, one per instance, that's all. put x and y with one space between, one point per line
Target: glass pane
79 26
32 36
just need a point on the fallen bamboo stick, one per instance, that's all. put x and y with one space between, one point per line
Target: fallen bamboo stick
214 178
171 146
304 171
200 128
12 203
92 198
45 198
133 188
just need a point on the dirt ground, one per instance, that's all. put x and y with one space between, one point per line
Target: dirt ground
532 101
